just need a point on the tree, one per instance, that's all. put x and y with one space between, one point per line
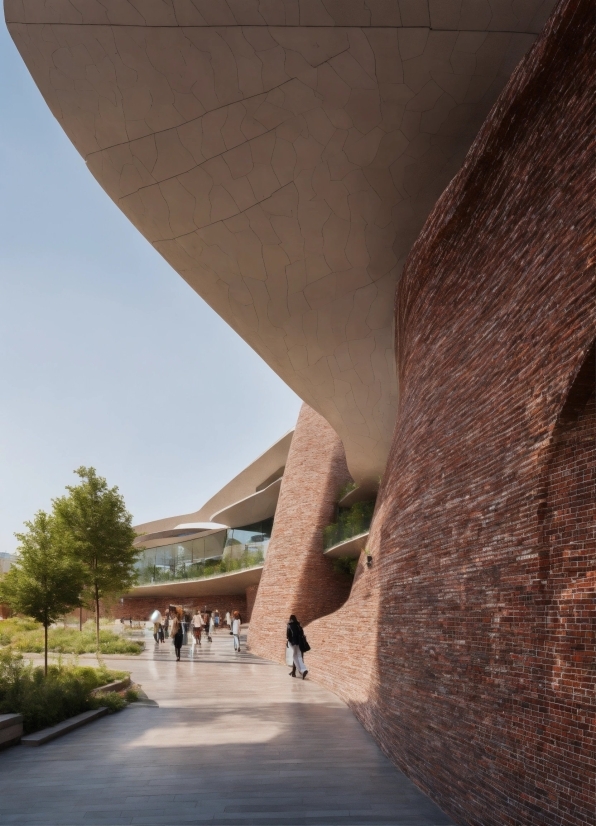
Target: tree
98 530
45 582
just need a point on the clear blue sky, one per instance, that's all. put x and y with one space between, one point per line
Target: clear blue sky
92 320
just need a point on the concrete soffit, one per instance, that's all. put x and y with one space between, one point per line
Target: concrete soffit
283 158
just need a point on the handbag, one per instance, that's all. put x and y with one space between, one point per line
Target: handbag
289 655
304 646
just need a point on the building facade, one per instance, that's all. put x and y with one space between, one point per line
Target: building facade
391 203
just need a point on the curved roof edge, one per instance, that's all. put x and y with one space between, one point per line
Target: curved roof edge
180 532
242 486
254 508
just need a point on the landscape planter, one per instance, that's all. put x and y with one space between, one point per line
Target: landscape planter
11 729
38 738
116 685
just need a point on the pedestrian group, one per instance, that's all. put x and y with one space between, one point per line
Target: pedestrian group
176 623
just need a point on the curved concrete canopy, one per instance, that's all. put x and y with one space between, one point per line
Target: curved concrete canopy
255 508
188 531
235 582
200 526
158 538
243 485
283 156
351 548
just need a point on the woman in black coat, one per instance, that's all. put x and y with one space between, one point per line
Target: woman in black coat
177 635
299 645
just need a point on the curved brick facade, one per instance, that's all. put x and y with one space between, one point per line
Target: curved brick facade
472 667
297 578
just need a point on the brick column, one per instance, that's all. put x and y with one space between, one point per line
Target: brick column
297 578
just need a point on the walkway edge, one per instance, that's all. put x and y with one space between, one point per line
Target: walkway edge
38 738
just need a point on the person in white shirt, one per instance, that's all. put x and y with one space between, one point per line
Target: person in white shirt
236 622
197 622
228 620
211 630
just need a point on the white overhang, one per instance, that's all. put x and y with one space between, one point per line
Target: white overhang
235 582
351 547
255 508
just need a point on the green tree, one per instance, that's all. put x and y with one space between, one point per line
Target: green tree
45 582
98 530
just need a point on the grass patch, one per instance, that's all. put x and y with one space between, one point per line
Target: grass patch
46 701
27 636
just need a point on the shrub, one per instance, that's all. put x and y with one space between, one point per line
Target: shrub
347 488
110 700
351 522
131 695
47 700
345 565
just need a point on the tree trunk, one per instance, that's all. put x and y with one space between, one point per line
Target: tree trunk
45 628
81 618
97 618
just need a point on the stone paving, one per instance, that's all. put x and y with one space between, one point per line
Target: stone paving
233 740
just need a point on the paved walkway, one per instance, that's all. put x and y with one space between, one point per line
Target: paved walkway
233 740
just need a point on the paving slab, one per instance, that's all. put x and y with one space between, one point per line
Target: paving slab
233 740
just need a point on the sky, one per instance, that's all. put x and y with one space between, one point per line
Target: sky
107 357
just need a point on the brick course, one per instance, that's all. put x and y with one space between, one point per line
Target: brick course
470 655
297 578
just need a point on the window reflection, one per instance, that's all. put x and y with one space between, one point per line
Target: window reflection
217 553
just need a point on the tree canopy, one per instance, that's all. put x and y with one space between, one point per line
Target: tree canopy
45 582
98 531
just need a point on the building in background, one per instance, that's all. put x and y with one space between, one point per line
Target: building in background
214 557
6 560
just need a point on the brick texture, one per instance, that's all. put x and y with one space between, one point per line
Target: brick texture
297 578
140 608
251 595
470 651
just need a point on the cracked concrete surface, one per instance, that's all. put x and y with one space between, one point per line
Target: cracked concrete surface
282 156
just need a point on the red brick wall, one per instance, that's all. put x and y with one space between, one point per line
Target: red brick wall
297 578
470 656
565 647
251 595
141 608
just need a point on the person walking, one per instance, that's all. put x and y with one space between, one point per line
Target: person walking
228 620
197 630
295 636
177 635
156 618
166 623
236 622
211 630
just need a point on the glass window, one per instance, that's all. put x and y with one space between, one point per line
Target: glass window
216 553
